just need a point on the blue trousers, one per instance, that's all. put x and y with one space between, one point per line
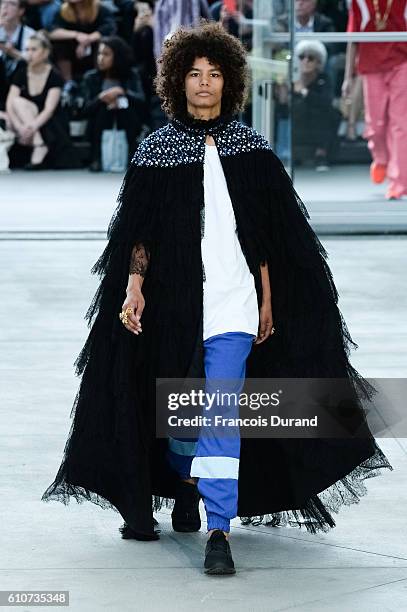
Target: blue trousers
213 458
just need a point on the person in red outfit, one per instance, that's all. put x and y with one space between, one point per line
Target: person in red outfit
383 67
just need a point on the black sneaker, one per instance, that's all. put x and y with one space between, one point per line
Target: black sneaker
218 556
185 515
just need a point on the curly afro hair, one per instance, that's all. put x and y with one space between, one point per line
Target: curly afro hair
208 39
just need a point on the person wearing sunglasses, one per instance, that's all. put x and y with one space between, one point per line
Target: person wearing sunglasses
315 121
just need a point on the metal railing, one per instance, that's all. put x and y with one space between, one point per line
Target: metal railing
286 68
334 37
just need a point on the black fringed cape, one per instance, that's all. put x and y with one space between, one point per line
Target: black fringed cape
112 456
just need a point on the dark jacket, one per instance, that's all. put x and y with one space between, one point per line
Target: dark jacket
3 85
319 98
337 11
142 43
316 120
92 86
321 23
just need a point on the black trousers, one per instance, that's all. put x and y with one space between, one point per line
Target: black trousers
66 50
128 119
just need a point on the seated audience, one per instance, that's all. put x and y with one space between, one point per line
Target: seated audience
143 52
33 110
40 13
14 34
76 32
126 11
3 85
336 11
232 20
142 43
315 120
113 94
307 19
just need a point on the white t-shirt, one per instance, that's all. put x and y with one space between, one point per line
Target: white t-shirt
229 293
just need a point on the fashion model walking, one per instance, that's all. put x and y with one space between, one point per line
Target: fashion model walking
383 67
211 270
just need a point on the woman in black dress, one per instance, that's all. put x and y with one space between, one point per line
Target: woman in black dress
33 108
113 93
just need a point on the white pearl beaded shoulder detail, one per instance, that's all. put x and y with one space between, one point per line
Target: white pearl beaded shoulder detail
169 146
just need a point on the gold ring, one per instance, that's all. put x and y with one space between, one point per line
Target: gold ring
123 317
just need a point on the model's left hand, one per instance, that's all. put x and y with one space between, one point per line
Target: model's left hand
265 323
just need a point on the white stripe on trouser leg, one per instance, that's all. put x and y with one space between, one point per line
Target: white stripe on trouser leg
215 467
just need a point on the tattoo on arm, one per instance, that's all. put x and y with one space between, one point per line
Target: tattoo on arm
139 260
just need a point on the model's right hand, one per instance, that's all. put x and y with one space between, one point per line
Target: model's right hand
347 88
134 300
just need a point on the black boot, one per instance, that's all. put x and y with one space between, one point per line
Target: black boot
218 556
129 534
185 515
